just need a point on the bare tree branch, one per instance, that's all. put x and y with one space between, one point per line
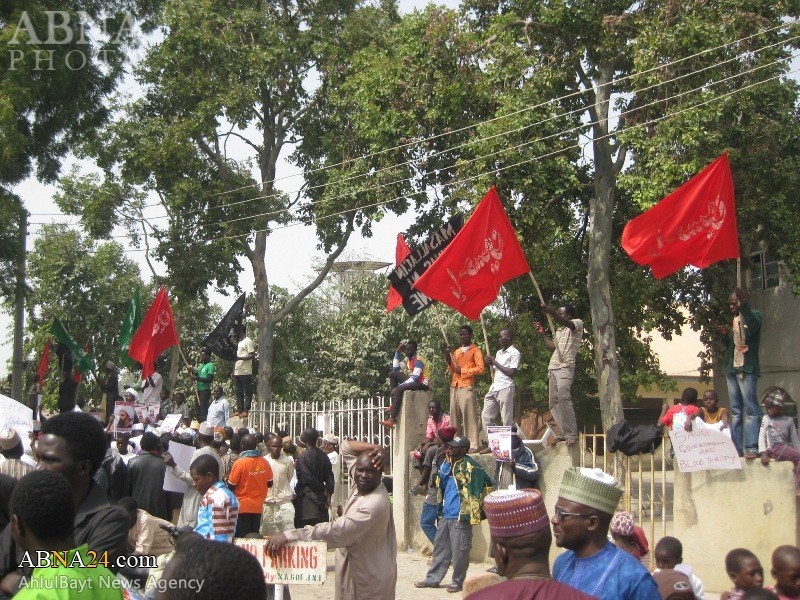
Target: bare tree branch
292 304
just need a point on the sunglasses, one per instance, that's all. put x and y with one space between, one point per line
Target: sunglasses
560 515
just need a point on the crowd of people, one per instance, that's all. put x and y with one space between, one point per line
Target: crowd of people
99 490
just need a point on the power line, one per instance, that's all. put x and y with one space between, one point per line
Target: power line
458 146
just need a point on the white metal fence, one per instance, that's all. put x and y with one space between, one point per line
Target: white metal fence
351 419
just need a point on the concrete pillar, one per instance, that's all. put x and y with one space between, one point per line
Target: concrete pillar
409 433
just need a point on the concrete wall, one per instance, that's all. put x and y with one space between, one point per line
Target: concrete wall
716 511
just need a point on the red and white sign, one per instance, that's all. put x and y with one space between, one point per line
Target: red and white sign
297 563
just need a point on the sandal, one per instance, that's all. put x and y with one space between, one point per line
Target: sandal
750 455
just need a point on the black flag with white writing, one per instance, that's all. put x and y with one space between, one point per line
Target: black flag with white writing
223 341
415 264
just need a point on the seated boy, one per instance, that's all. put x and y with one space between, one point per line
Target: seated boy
786 571
777 438
711 415
219 508
745 571
42 510
679 416
669 555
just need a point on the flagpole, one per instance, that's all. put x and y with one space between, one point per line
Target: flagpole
486 341
549 318
739 273
441 325
188 366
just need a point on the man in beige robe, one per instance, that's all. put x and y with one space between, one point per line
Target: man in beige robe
366 555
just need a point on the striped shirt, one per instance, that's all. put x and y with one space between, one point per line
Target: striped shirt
217 514
416 366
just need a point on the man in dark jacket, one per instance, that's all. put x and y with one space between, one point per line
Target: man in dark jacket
145 481
314 482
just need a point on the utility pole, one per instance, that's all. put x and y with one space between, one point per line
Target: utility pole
19 311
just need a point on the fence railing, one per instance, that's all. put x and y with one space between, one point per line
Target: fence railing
351 419
648 480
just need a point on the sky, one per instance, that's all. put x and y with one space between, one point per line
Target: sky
291 252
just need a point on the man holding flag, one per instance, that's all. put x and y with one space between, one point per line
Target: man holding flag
465 363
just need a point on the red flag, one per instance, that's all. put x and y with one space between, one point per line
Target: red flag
44 362
482 257
694 225
393 298
155 334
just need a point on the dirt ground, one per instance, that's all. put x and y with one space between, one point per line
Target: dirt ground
410 568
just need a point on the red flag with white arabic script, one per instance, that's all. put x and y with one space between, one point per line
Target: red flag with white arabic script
156 333
483 256
393 298
694 225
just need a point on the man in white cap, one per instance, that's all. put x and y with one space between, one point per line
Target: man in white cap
191 497
520 530
15 463
586 503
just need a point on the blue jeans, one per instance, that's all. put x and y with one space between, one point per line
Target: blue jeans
427 520
745 412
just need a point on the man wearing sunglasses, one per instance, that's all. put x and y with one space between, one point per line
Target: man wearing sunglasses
581 518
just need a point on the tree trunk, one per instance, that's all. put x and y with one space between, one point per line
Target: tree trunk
601 210
266 321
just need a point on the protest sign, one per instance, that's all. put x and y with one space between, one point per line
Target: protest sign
183 458
499 441
415 264
123 416
15 415
704 450
297 563
170 423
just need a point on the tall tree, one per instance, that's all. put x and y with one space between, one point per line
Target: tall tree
241 74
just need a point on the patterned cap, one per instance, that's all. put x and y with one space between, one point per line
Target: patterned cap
592 488
9 439
206 428
622 523
512 513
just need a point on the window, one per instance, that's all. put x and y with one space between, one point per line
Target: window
763 270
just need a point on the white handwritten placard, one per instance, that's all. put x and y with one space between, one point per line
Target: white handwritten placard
17 416
297 563
704 450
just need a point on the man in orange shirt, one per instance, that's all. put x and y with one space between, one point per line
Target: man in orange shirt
465 363
249 480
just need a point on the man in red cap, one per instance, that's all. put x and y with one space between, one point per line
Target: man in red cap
520 530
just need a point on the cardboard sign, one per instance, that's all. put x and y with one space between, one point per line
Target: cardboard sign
297 563
15 415
500 441
123 416
171 422
183 458
704 450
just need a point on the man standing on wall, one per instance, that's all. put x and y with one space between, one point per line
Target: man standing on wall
561 370
742 370
464 364
415 377
500 399
243 372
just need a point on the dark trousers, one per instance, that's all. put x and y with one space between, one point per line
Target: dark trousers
247 523
203 399
243 388
399 389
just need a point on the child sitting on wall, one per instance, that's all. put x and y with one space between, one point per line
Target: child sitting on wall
669 555
679 416
711 415
777 438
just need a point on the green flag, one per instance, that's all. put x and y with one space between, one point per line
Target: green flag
82 359
129 326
